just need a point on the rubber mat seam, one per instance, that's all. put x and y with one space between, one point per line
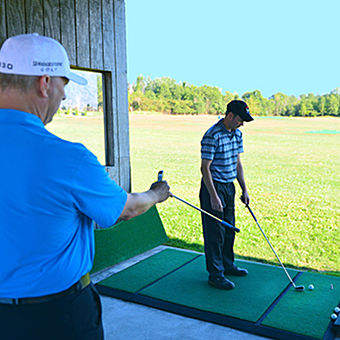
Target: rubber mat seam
165 275
276 301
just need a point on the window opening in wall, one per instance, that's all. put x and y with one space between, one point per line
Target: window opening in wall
80 117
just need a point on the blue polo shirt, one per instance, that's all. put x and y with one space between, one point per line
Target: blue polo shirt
222 147
51 192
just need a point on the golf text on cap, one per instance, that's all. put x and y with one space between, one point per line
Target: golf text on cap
47 66
36 55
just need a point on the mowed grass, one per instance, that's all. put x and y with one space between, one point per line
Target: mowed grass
86 130
292 178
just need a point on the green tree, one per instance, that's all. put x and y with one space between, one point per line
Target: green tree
280 102
322 105
332 105
140 84
255 101
292 106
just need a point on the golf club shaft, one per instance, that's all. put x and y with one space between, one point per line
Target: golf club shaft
290 279
160 178
207 213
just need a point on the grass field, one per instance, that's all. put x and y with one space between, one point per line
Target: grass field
292 177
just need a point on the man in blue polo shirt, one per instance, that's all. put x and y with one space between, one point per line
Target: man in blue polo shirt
51 192
221 146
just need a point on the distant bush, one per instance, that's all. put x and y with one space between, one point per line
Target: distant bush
165 95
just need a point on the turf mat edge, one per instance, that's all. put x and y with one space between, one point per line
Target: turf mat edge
149 270
219 319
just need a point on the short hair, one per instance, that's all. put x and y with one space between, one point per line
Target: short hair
16 81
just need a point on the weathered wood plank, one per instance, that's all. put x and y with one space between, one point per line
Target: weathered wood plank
82 33
3 28
34 16
68 29
108 118
113 172
121 96
109 86
96 34
15 17
108 36
51 17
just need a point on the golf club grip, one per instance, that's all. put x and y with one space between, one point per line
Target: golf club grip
230 226
160 175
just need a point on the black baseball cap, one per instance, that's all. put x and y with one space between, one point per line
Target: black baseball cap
241 109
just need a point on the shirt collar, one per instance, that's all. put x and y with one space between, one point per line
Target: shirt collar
230 133
15 116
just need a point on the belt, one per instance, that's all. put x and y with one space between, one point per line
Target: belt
81 284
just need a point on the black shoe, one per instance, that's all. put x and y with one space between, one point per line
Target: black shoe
236 271
221 283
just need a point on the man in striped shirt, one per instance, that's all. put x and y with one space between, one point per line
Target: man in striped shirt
221 146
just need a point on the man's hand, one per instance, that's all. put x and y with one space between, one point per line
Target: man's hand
138 203
161 189
245 198
216 203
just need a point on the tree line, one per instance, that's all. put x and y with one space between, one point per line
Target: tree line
166 95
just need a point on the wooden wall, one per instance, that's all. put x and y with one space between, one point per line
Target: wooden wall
93 34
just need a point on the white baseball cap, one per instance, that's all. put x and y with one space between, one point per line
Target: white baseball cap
36 55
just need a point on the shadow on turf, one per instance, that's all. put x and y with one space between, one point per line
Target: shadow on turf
175 242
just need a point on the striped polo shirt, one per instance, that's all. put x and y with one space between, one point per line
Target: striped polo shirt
222 147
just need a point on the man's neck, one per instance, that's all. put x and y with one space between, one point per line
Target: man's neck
15 99
226 123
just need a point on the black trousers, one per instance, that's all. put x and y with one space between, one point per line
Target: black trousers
72 317
218 240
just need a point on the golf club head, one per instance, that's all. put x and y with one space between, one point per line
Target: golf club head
299 288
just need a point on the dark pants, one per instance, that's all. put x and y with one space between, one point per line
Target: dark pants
218 240
76 316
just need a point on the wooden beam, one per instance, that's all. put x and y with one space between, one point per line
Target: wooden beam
121 95
108 118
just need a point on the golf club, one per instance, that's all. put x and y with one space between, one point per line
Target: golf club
297 288
160 177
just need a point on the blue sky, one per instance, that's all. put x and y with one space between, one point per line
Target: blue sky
289 46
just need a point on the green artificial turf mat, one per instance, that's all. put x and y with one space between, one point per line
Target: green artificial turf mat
308 312
127 239
250 298
149 270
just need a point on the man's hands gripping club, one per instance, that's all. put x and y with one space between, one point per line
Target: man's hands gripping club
138 203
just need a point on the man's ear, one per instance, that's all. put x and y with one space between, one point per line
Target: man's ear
229 116
44 85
